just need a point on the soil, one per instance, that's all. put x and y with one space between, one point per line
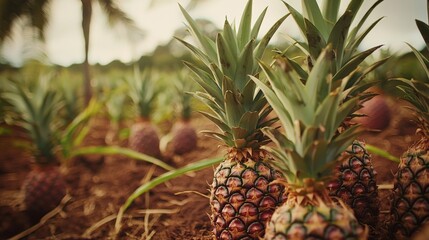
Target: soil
178 209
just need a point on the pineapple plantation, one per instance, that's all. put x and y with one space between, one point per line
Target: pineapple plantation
248 134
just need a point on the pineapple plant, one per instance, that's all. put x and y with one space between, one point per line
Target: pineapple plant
143 133
410 205
44 186
184 137
306 152
243 194
116 99
320 27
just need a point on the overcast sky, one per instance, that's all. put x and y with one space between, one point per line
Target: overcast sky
64 41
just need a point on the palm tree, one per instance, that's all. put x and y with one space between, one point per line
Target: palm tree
35 14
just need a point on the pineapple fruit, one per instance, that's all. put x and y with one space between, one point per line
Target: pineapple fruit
306 152
356 185
44 187
320 27
144 136
244 192
410 205
184 137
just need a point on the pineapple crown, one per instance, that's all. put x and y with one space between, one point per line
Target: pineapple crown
222 69
310 113
183 87
417 92
115 101
142 91
37 108
323 27
69 86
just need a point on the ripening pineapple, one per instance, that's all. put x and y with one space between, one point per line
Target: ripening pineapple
410 206
143 133
44 187
306 152
184 137
322 26
243 194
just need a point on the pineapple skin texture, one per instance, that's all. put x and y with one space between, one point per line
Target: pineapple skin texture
184 138
293 221
410 206
144 139
43 188
242 198
356 184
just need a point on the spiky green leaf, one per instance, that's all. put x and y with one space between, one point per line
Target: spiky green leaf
354 43
208 47
262 45
353 63
244 30
257 26
313 13
424 31
424 62
315 40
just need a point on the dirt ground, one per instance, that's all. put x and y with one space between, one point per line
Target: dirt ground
179 209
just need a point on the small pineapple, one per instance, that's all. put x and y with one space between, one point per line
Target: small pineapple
143 134
410 206
44 186
306 153
244 193
356 182
184 137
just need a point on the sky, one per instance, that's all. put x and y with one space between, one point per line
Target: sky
64 40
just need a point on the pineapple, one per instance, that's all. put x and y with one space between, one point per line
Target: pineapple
243 193
184 136
44 187
306 152
320 27
143 134
410 206
356 185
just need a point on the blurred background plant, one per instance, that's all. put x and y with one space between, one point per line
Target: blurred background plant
144 135
115 90
68 84
35 105
182 137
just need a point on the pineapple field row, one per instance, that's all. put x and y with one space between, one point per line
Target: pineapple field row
315 138
98 188
178 209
